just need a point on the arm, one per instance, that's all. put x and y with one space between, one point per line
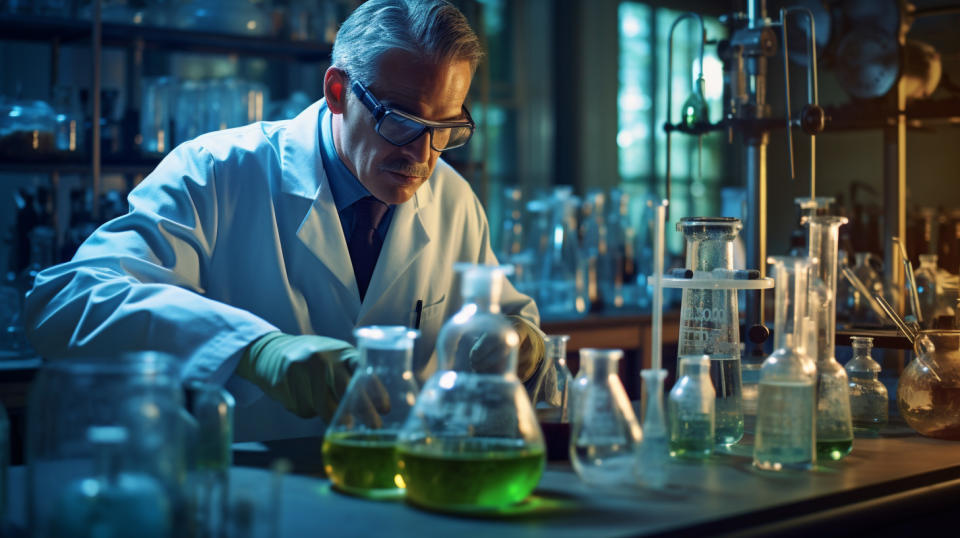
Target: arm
138 282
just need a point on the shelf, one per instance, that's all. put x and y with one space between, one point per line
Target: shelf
874 114
34 28
71 165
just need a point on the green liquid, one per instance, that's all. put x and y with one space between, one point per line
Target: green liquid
363 464
834 450
471 480
691 439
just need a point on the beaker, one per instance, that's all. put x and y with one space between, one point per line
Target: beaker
869 401
785 432
710 320
604 433
691 409
834 422
928 393
472 442
359 447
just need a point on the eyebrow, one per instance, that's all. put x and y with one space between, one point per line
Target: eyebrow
392 104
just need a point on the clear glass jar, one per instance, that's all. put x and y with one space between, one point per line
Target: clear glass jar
26 129
691 410
359 448
928 393
928 288
869 401
604 433
786 409
551 389
472 443
69 404
709 318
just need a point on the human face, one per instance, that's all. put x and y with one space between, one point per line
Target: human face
434 92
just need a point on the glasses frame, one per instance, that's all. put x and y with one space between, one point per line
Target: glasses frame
381 112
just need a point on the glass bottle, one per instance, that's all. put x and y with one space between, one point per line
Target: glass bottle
654 452
691 410
551 390
359 448
604 432
928 288
786 411
211 408
710 321
563 270
869 401
511 231
472 442
834 423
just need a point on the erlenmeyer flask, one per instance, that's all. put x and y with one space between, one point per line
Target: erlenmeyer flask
691 409
604 433
785 436
359 448
710 321
834 423
472 442
869 400
695 111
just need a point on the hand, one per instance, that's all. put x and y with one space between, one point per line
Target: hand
366 401
486 354
307 374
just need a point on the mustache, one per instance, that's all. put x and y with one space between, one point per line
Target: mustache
406 168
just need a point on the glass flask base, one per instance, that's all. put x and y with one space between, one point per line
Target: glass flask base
783 466
364 465
834 449
690 450
483 480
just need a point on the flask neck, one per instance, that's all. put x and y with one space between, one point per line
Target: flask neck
599 368
791 302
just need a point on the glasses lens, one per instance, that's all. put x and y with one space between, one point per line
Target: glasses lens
399 130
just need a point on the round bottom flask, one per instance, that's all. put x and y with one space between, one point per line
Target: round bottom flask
472 443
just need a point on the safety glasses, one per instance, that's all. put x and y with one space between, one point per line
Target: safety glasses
400 128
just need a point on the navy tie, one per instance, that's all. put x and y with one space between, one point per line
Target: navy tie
364 243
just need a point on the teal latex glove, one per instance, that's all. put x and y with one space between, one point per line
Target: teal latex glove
307 374
484 356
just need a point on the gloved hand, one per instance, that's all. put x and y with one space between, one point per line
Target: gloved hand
483 356
307 374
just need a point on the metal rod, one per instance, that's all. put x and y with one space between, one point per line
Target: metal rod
786 94
703 38
97 46
862 289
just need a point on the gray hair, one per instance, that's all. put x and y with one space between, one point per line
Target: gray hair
431 29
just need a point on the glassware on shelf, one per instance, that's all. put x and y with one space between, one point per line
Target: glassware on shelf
869 401
563 270
511 230
928 393
242 17
691 409
471 442
604 433
786 410
359 448
138 399
834 422
710 320
654 451
159 97
928 289
27 129
69 135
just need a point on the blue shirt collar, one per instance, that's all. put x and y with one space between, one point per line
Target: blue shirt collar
344 186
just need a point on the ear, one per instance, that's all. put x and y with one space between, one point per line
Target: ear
335 89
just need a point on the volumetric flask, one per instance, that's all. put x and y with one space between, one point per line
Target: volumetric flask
604 433
710 320
785 433
359 448
691 409
472 442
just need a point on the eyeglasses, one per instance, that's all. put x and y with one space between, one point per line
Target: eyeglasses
400 128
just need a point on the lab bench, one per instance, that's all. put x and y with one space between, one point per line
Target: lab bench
896 483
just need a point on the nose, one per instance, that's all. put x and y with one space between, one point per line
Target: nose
419 149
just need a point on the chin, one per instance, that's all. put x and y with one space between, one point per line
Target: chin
397 189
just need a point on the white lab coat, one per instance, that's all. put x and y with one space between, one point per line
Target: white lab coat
235 234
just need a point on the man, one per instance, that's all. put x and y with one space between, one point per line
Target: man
253 253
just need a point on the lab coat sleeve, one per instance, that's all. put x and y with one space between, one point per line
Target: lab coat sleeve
137 283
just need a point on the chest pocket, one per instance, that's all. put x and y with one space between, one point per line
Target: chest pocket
428 312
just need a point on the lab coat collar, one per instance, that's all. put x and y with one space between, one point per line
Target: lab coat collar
320 229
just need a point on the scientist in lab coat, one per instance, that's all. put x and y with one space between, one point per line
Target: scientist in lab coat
252 254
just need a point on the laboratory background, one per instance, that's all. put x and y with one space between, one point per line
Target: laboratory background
739 220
